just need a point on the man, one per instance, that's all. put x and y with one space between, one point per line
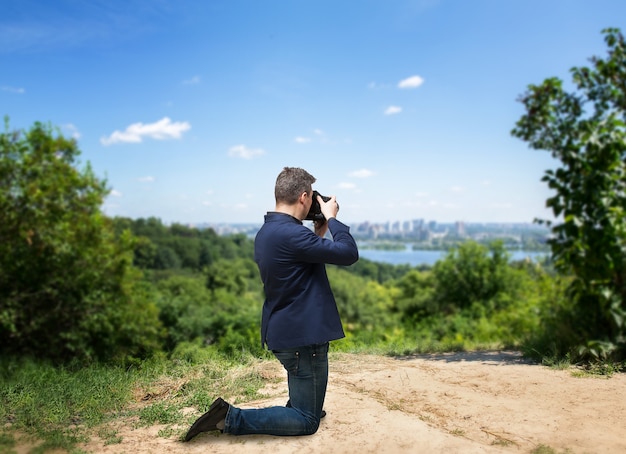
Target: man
300 314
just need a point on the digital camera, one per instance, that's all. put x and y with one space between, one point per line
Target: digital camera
315 213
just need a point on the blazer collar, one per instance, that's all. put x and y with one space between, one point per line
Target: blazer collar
272 216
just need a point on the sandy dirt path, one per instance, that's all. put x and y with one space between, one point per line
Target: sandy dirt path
484 402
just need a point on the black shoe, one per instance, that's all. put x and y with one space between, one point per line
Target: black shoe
288 405
208 421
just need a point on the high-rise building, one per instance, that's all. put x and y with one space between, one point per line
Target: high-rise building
460 228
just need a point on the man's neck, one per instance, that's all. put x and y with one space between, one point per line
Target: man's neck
291 210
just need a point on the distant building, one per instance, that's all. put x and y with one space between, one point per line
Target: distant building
459 228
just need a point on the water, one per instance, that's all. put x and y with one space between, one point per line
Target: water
418 257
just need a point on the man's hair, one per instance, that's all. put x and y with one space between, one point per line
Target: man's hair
290 183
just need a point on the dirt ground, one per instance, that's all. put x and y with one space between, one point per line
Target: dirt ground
483 402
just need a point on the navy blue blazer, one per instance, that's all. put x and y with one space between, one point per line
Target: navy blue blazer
299 307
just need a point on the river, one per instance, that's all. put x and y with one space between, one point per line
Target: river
420 257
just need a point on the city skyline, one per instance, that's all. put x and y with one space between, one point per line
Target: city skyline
388 227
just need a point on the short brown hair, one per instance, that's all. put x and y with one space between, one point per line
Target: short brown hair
290 183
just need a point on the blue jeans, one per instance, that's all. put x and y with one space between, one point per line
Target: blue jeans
307 377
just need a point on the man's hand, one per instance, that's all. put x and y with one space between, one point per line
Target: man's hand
329 209
321 227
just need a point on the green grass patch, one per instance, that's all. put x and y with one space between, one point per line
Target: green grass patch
544 449
7 442
159 413
60 407
600 369
557 363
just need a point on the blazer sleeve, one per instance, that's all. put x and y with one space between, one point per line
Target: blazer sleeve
341 250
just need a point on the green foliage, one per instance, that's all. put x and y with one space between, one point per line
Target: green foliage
415 298
585 129
380 272
165 248
363 304
236 276
67 289
601 369
471 273
189 311
473 298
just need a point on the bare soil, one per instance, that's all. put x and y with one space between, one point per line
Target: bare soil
482 402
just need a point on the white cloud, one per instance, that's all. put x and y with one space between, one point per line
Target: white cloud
207 203
411 82
376 86
361 173
241 151
147 179
194 80
160 130
392 110
18 90
302 139
115 193
73 130
345 185
457 189
319 132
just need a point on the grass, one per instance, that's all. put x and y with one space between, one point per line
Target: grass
600 369
59 407
109 436
7 442
557 363
596 369
58 403
544 449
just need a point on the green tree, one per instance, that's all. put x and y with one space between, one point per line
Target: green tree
471 273
585 130
165 258
363 303
181 247
67 286
415 299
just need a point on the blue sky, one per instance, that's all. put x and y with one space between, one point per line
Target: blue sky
401 108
